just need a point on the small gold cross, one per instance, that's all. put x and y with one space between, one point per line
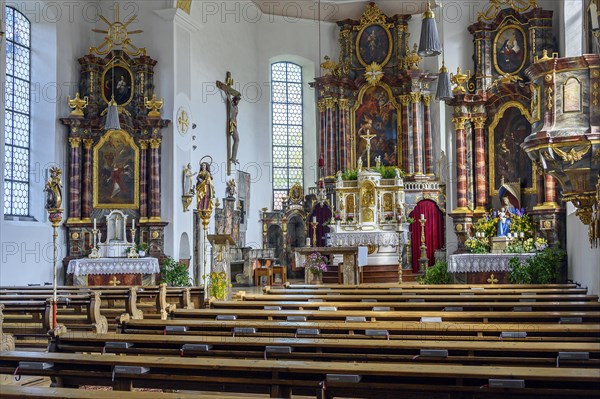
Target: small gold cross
492 280
114 282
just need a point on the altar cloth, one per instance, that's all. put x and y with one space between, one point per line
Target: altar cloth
362 238
85 266
481 263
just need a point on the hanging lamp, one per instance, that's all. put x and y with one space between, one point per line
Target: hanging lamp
429 45
112 116
444 87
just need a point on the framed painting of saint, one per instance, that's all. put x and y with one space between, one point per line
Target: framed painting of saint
374 44
117 81
376 115
116 172
510 50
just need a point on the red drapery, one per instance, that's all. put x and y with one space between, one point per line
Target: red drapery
434 232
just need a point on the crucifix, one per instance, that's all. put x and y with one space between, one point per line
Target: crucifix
233 99
368 136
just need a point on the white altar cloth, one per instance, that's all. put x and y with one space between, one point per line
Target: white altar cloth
477 263
363 238
84 266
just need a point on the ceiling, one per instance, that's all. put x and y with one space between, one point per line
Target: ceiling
337 10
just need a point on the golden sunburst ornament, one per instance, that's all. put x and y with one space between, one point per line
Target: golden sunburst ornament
373 73
117 35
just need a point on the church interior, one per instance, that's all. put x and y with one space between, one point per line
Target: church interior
300 199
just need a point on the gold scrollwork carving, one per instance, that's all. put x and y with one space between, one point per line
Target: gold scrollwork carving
329 102
344 104
144 144
426 99
155 143
479 122
88 143
75 142
549 99
459 122
496 6
405 100
415 98
572 155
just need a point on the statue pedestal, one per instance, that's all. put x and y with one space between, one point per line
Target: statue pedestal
499 244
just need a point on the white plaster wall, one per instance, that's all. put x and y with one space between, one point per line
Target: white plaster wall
60 34
584 261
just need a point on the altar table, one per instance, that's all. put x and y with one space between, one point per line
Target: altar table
113 271
348 273
484 268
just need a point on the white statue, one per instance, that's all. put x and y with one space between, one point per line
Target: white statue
339 176
442 168
359 164
188 180
378 161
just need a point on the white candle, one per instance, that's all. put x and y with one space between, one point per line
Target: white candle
522 235
133 224
314 219
308 241
94 223
422 216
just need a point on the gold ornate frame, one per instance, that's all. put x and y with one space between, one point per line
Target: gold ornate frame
357 105
96 183
491 153
390 44
114 63
536 107
495 48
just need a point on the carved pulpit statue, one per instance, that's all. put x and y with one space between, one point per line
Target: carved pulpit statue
233 99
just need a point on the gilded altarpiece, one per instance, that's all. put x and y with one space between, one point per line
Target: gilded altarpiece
494 112
115 169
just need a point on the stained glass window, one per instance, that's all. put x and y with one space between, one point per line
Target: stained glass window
287 120
17 120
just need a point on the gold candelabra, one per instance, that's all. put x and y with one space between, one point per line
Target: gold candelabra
314 234
423 260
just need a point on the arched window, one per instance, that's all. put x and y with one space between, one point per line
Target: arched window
287 125
17 120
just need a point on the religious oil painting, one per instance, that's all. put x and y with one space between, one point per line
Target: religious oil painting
117 81
116 172
509 159
374 44
572 95
376 122
510 50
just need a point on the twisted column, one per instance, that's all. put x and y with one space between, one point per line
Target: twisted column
415 98
154 180
143 180
427 136
461 162
405 100
480 165
86 206
75 179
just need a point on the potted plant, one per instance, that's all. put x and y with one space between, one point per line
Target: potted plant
174 274
316 264
142 248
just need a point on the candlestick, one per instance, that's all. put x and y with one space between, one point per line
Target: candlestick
133 224
94 223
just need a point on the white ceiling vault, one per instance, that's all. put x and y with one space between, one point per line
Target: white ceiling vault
337 10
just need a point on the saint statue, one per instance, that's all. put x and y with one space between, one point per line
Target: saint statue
360 164
53 189
188 180
205 190
505 217
378 161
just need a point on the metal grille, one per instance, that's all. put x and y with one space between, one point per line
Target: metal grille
17 120
287 121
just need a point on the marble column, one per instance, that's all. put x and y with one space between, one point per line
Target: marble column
480 165
461 163
405 101
75 179
144 180
330 158
550 192
344 133
154 180
415 98
322 135
427 136
86 205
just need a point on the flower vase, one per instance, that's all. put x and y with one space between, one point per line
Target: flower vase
316 278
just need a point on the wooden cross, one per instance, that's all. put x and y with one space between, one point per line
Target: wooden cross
114 282
231 93
492 280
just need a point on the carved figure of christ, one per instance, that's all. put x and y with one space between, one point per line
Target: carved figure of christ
233 96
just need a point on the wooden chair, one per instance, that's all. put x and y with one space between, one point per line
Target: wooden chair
281 270
263 271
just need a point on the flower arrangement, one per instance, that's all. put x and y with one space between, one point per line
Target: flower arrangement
316 263
350 219
218 285
521 223
487 225
478 245
338 217
389 217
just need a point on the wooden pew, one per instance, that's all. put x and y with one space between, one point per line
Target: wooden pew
379 315
23 392
424 291
427 286
361 330
29 318
419 304
395 297
7 341
365 350
284 378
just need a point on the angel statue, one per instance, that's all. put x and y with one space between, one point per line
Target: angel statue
378 161
53 189
188 180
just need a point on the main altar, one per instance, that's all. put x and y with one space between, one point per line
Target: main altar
114 145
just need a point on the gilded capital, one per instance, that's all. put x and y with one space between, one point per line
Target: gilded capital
144 144
405 100
88 143
75 142
415 98
343 103
329 102
479 122
459 122
155 143
321 105
427 99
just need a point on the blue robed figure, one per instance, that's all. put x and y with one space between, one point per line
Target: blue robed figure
508 209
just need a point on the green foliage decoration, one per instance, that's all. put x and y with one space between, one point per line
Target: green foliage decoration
436 274
543 268
174 274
